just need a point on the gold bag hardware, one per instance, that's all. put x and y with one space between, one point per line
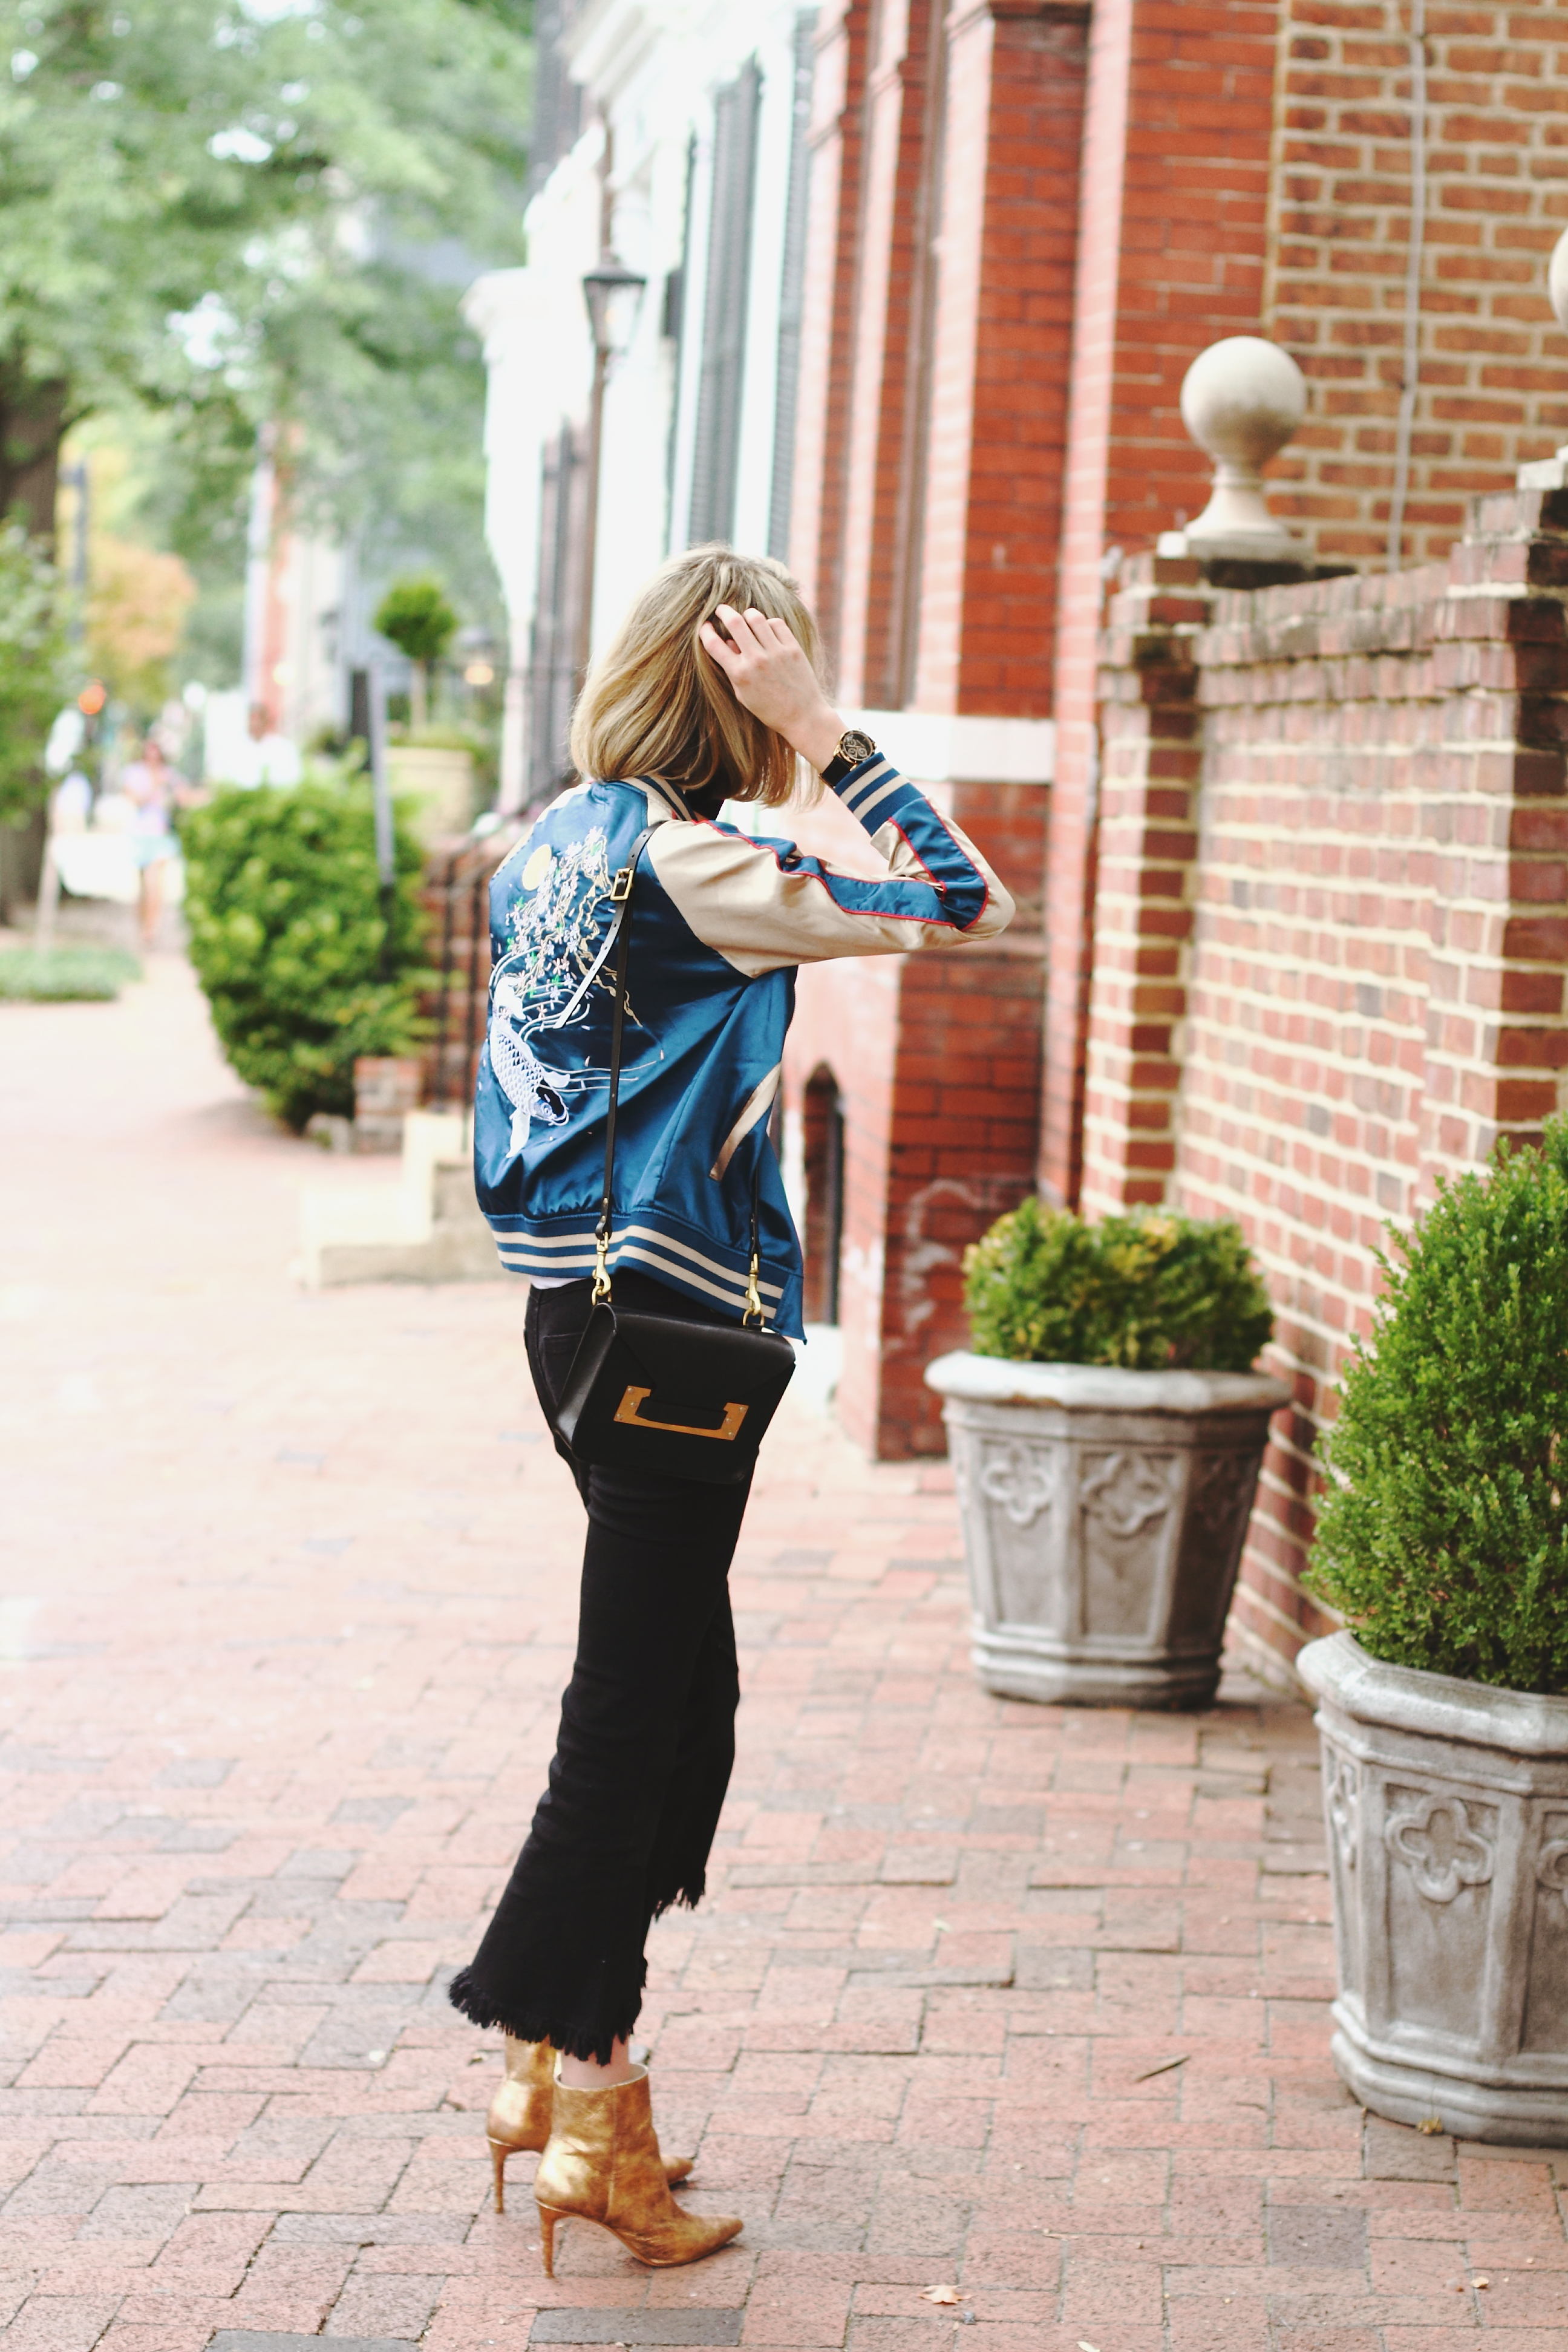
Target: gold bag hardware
630 1409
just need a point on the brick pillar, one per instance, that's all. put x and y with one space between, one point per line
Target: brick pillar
828 304
884 391
948 439
1177 130
991 491
1497 1030
1151 767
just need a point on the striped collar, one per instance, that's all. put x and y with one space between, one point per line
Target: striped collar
666 794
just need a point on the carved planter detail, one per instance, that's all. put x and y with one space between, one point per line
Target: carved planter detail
1104 1514
1446 1805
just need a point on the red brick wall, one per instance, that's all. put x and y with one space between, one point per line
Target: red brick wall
1375 932
1493 361
940 1105
1151 761
937 1060
846 1022
1171 255
829 305
1016 83
884 390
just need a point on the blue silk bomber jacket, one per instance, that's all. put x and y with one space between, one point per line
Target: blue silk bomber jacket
720 919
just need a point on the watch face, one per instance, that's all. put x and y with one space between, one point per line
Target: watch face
854 747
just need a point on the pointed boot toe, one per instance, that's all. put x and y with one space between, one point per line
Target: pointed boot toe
602 2165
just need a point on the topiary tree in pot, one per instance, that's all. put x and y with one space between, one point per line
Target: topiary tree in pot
415 615
1443 1539
1107 1432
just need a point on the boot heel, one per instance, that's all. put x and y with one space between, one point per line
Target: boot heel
500 2151
548 2217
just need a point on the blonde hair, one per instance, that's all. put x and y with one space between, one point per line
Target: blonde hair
656 703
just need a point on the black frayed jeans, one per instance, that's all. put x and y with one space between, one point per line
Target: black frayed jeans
648 1731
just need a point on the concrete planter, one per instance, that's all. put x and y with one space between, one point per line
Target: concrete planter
1447 1828
1104 1514
442 780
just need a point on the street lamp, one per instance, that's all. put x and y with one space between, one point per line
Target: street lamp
614 296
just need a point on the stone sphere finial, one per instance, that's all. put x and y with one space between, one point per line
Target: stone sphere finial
1552 473
1242 400
1557 280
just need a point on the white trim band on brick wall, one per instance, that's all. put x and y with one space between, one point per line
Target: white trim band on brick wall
934 748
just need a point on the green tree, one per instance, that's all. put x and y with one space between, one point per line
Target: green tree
197 197
33 668
416 617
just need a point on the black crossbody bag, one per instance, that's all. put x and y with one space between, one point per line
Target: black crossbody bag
648 1391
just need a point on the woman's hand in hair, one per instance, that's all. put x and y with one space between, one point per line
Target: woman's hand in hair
767 667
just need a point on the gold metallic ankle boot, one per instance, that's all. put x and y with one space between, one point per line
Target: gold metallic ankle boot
602 2165
521 2110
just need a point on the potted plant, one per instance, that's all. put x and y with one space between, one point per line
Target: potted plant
1443 1538
1106 1435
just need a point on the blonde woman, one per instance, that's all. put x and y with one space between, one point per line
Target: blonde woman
709 692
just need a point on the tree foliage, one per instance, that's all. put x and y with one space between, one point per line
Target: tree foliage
33 668
289 939
1149 1292
1443 1535
206 202
416 617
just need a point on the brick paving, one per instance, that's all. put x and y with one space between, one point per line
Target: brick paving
286 1606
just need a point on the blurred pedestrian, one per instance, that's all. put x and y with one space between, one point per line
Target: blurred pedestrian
266 756
148 782
709 692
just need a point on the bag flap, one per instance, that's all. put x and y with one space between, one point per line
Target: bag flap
598 1339
701 1358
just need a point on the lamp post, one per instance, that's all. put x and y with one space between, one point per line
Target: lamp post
614 296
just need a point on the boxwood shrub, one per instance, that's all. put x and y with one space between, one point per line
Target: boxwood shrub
1148 1291
289 941
1443 1535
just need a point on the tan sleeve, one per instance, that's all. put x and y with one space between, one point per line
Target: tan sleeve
765 904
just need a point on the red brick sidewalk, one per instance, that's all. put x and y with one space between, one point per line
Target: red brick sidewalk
287 1603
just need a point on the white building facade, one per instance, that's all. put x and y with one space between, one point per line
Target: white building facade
679 135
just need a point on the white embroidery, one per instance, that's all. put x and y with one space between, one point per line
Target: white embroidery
542 983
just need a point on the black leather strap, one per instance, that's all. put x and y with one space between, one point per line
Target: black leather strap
621 891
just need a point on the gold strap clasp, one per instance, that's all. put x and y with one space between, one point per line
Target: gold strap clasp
755 1301
601 1291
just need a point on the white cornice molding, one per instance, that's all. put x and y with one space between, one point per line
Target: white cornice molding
610 41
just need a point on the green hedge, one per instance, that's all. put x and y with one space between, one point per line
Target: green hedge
1443 1537
1149 1292
287 935
72 975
